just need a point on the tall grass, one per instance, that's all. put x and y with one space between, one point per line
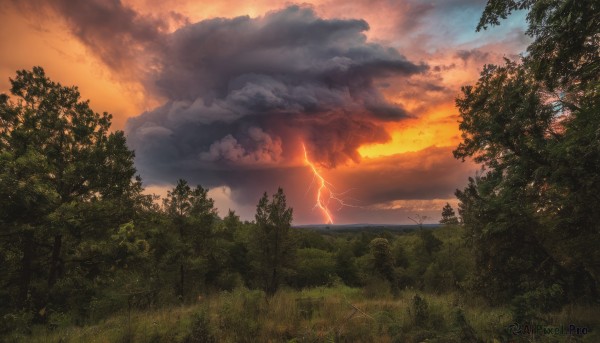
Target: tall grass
322 314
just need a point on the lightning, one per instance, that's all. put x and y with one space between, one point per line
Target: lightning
324 192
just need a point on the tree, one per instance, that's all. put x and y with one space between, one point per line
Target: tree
448 216
533 125
383 261
192 214
566 35
66 184
345 264
273 246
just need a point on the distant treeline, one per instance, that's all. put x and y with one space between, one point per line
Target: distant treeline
341 228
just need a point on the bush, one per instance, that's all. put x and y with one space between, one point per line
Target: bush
200 330
419 311
526 306
462 328
315 268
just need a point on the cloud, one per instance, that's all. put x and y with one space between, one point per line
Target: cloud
240 95
266 151
245 93
296 76
473 54
123 39
426 174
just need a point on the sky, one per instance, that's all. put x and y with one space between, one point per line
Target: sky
346 105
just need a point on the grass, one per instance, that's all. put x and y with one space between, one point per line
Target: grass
322 314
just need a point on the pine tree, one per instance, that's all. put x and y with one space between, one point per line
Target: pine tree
273 246
448 216
66 185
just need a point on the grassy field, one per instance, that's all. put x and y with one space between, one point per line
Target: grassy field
324 314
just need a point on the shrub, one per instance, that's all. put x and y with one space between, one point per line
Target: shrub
200 329
463 329
419 311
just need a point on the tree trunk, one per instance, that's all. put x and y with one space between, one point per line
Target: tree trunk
181 267
26 263
181 280
55 261
273 286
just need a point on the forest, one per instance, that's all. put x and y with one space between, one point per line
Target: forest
87 256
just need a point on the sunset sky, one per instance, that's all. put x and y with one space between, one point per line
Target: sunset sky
225 93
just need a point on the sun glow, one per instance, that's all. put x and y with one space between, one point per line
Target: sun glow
438 127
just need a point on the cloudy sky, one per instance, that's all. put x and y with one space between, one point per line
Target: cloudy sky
226 94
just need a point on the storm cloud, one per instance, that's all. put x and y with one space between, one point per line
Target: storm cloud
246 93
240 96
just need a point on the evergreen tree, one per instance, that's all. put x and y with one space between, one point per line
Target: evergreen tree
272 245
448 216
191 214
66 185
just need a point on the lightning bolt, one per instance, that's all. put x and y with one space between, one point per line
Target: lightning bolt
325 191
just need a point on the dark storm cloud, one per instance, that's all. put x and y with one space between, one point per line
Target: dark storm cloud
475 55
244 93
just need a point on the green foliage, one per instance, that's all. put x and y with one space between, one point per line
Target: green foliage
66 183
383 262
245 316
376 287
564 52
533 125
429 242
315 267
419 311
272 245
200 329
463 329
191 215
345 265
239 313
312 239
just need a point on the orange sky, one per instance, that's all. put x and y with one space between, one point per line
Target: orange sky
417 29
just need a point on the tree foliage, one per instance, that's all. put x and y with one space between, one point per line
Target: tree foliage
273 246
566 35
66 185
191 215
448 216
533 126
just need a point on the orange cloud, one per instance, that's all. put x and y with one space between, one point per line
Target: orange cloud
26 43
437 127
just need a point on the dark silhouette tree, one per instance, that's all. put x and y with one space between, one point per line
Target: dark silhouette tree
448 216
